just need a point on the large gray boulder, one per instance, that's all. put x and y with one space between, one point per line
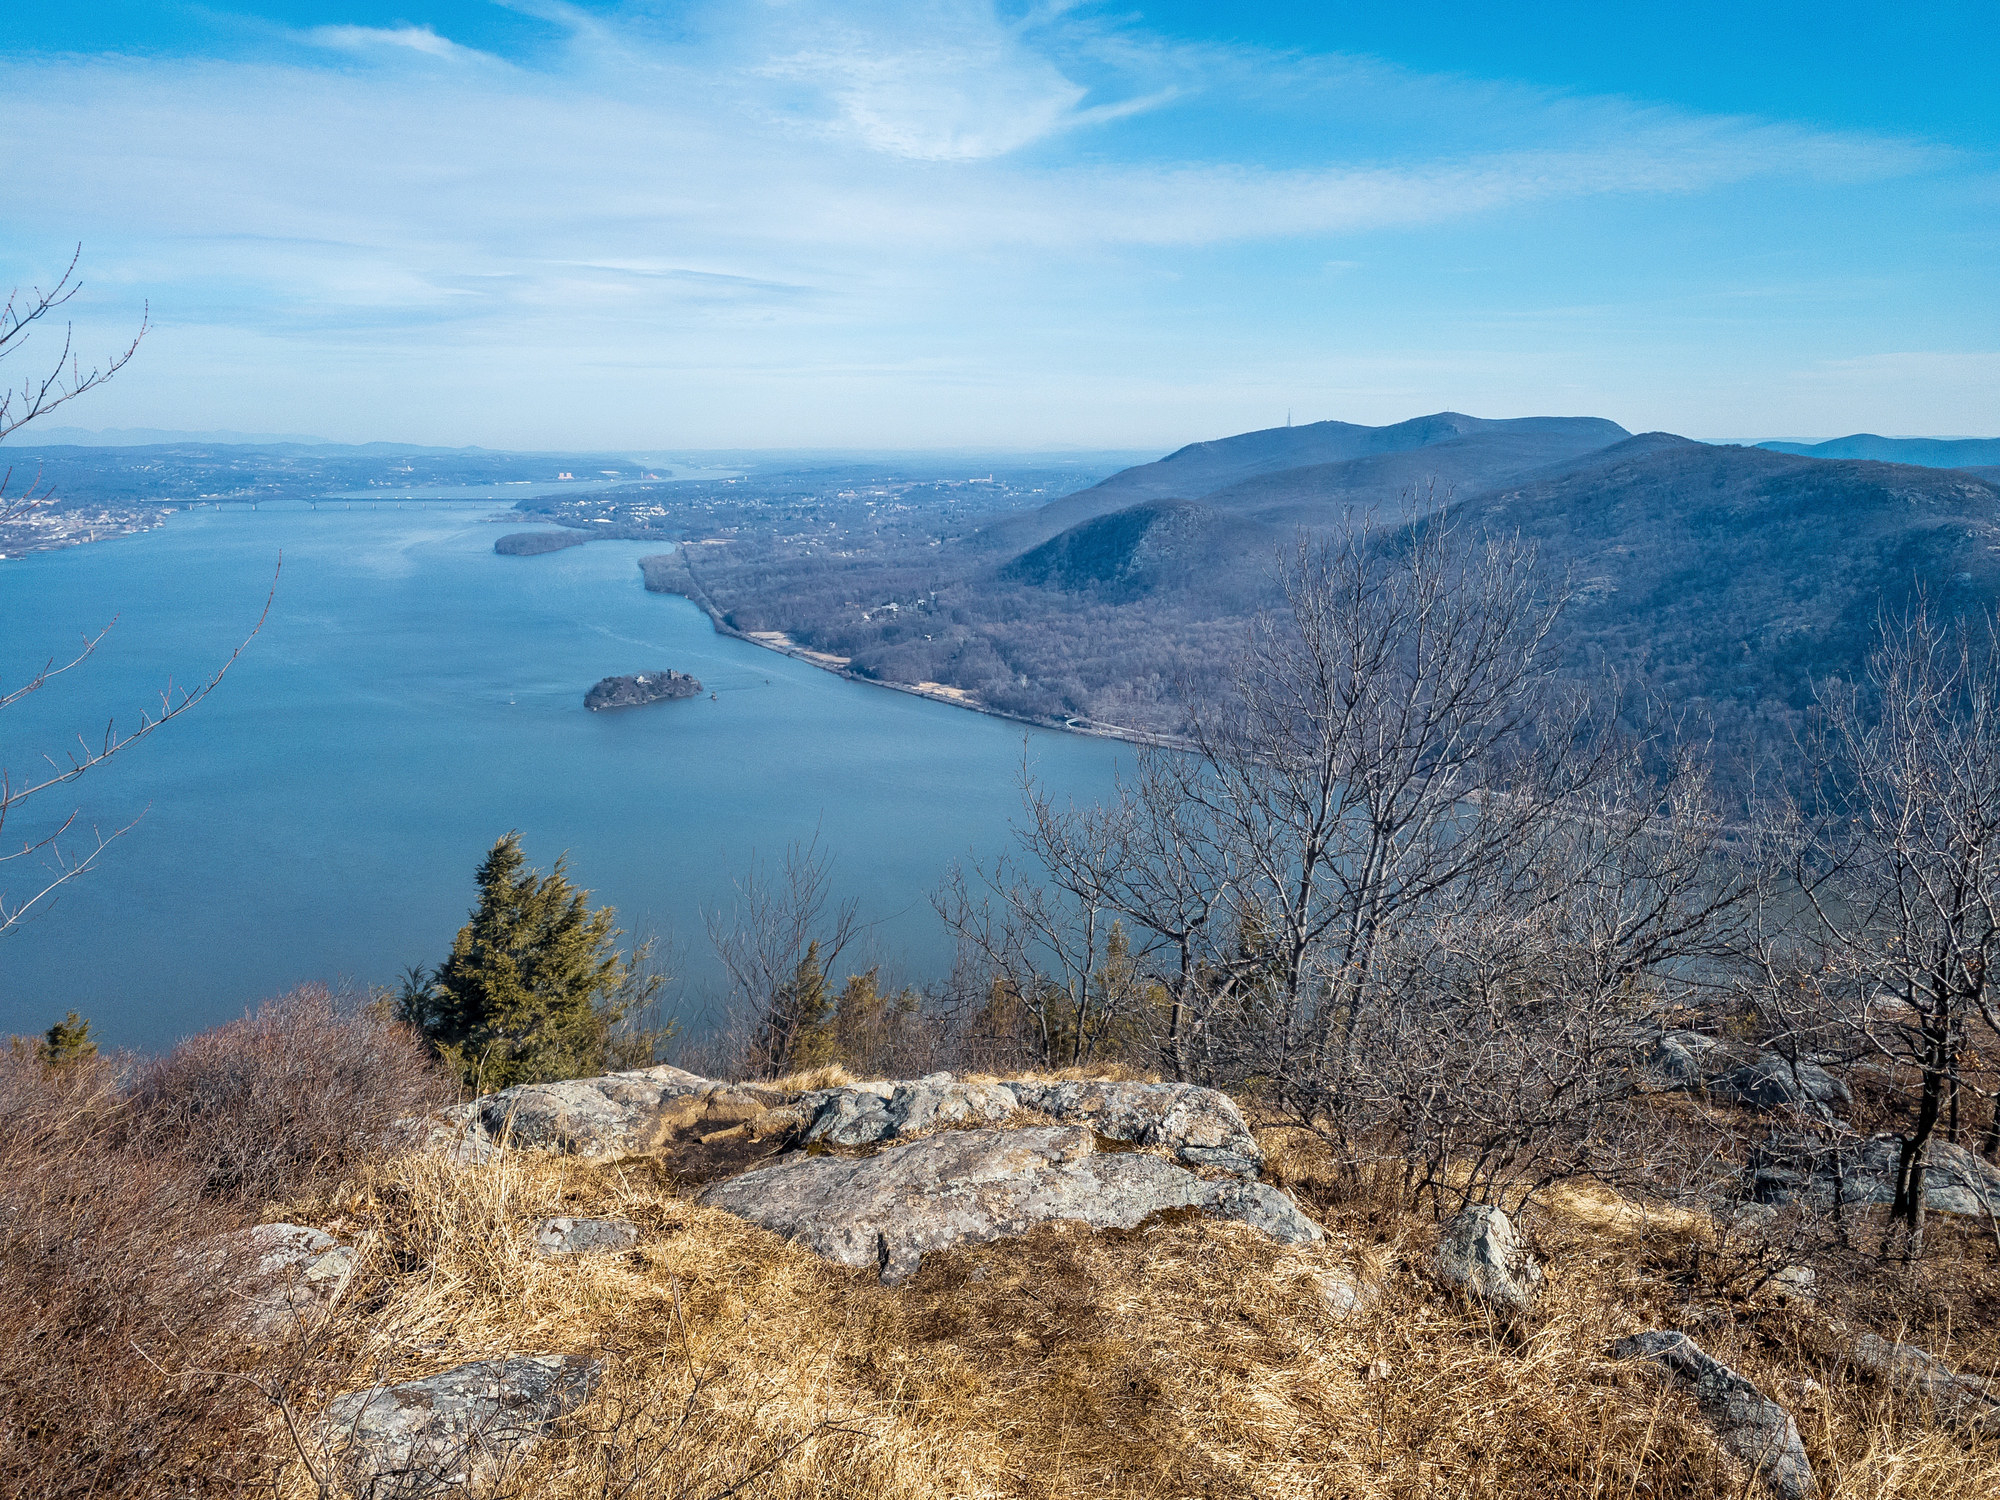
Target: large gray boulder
1683 1059
1749 1424
1735 1073
1801 1170
465 1427
1200 1126
600 1119
886 1212
1480 1254
1773 1085
1958 1400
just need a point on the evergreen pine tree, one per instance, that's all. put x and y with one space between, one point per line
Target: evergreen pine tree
530 990
796 1033
68 1041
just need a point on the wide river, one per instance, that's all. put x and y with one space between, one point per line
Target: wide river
413 697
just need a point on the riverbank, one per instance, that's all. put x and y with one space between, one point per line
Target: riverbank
670 573
45 528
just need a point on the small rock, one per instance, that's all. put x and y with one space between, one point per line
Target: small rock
1800 1282
888 1211
1346 1296
1481 1256
568 1236
1751 1426
460 1428
293 1277
1961 1401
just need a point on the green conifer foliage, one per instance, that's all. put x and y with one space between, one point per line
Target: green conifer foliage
532 987
796 1032
68 1041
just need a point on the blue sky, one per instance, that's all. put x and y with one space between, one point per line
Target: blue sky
937 223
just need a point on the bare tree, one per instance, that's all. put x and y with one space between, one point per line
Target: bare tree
1500 1054
61 380
1155 859
1403 885
1898 861
1050 958
778 943
67 849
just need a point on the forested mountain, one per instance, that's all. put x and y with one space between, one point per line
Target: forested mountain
1731 577
1724 578
1929 453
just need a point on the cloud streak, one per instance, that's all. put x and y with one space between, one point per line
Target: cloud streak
814 179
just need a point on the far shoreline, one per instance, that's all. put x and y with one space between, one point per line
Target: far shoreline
784 645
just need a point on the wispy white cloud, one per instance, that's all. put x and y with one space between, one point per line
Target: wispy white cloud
792 186
376 38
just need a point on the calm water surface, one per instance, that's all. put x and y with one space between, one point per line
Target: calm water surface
413 697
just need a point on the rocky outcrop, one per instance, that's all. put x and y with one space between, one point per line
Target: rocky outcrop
1733 1073
870 1113
620 1114
462 1428
1801 1169
1750 1425
1480 1255
1772 1084
887 1211
570 1236
1200 1126
1957 1400
640 688
280 1277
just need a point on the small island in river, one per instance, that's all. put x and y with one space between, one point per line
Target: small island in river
535 543
640 687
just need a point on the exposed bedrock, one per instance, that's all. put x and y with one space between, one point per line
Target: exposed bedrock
889 1210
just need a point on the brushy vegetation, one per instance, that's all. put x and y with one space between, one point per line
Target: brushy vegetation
118 1373
1183 1358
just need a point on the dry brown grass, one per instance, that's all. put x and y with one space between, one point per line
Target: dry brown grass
1183 1359
1186 1358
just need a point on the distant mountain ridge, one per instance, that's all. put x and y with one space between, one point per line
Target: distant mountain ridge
1280 469
1721 579
1929 453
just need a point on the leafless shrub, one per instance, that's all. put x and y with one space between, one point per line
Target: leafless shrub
115 1361
781 939
286 1099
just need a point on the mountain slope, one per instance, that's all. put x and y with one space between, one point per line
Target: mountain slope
1202 469
1321 494
1739 575
1144 547
1929 453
